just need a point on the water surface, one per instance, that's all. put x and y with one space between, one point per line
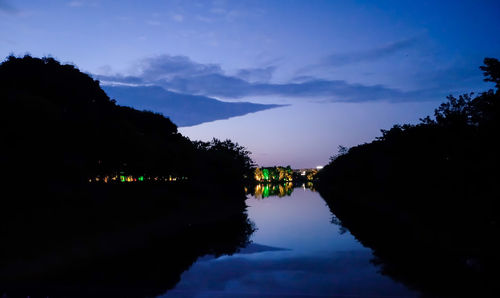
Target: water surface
297 251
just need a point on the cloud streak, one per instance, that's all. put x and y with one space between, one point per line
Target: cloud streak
369 55
7 8
166 67
75 3
181 74
257 74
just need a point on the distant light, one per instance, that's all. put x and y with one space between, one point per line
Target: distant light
319 167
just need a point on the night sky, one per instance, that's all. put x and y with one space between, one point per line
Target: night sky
346 69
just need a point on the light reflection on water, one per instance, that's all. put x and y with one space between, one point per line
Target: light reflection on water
296 250
264 190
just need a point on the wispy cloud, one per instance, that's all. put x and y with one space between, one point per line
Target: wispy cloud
178 18
218 10
204 19
166 67
75 3
226 14
256 74
153 23
7 8
83 3
369 55
181 74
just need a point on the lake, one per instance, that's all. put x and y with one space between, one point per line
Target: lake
297 250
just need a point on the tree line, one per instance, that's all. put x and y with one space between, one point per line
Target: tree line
428 189
59 126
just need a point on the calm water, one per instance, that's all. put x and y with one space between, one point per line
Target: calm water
296 251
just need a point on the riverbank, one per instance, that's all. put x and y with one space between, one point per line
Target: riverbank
424 197
438 257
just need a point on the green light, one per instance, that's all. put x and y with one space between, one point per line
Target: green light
265 174
265 192
141 178
122 178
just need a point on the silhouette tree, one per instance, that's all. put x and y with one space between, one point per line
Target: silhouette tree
58 128
491 71
60 124
408 192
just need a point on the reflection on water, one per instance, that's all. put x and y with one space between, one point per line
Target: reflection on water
409 252
191 248
296 251
128 245
264 190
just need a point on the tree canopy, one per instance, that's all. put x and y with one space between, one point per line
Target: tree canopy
58 123
433 184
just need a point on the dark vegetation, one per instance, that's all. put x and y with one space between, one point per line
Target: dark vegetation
425 197
57 123
63 236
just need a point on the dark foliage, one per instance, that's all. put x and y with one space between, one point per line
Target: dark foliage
58 124
227 162
425 197
63 236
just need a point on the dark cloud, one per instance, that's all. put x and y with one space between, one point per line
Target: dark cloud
166 67
333 90
213 84
182 109
256 74
181 74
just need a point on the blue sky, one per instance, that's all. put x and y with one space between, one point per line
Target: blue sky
347 68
